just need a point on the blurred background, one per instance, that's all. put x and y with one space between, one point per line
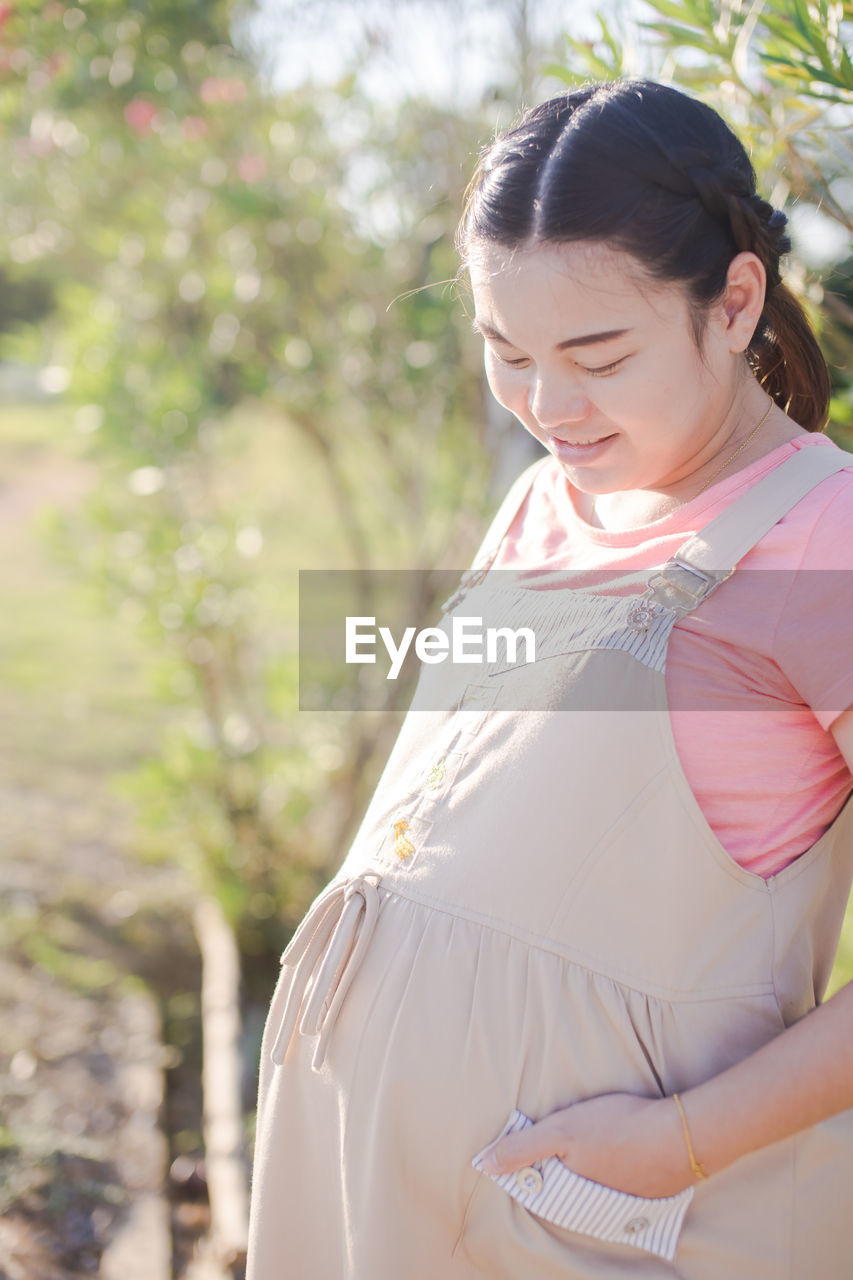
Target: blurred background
231 348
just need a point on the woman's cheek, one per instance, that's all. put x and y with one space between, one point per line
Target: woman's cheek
509 387
494 386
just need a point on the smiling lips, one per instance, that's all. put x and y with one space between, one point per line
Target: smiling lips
580 452
579 444
576 443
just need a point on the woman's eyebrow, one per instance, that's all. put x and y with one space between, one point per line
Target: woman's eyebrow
589 339
586 340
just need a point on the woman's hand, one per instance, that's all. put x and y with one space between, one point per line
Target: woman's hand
622 1141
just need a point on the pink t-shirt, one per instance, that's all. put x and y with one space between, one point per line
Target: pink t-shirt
759 672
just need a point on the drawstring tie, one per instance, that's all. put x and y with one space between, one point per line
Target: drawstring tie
347 910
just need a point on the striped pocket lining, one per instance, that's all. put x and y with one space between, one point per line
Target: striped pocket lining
558 1195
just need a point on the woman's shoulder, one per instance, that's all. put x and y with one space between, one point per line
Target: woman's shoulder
820 440
817 530
822 521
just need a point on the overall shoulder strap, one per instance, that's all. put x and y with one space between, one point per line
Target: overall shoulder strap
735 531
711 555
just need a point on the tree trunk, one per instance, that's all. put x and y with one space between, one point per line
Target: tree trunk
225 1160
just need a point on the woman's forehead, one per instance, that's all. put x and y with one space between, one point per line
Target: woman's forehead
580 263
566 280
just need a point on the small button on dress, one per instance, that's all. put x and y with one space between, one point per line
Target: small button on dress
530 1180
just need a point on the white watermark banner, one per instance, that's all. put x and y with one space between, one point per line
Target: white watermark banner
517 640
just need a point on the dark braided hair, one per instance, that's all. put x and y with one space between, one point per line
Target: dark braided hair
659 175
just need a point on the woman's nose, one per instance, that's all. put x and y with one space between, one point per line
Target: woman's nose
554 402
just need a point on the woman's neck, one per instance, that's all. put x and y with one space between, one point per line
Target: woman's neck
632 509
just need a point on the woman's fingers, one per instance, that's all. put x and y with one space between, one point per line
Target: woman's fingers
623 1141
517 1150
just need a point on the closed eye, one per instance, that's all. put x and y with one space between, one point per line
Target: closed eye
523 361
603 369
516 362
599 371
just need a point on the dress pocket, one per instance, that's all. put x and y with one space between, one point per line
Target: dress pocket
552 1191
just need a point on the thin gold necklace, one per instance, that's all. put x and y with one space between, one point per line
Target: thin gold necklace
753 433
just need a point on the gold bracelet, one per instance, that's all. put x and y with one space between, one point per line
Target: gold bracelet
694 1163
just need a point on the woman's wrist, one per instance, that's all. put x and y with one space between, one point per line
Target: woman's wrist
798 1079
697 1168
673 1145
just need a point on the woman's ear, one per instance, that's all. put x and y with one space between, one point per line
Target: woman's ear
743 301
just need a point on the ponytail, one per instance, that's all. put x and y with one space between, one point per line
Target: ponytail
787 361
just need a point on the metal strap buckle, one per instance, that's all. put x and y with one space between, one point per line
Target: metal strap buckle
708 580
646 609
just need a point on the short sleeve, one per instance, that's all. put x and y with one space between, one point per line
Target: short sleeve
813 643
506 513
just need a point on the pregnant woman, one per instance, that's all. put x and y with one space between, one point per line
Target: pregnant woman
559 1016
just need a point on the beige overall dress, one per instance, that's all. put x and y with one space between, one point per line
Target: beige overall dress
534 912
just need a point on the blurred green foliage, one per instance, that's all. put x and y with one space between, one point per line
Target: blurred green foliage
252 315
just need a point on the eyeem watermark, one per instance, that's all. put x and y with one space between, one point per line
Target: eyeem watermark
464 643
367 639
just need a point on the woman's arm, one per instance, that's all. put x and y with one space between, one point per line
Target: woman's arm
637 1145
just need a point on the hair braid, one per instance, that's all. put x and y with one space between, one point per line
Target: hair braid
782 354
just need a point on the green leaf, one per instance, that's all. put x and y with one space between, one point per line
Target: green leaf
678 12
845 66
702 77
596 66
563 74
788 34
776 60
679 35
800 16
610 40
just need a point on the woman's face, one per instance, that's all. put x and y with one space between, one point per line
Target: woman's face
602 366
